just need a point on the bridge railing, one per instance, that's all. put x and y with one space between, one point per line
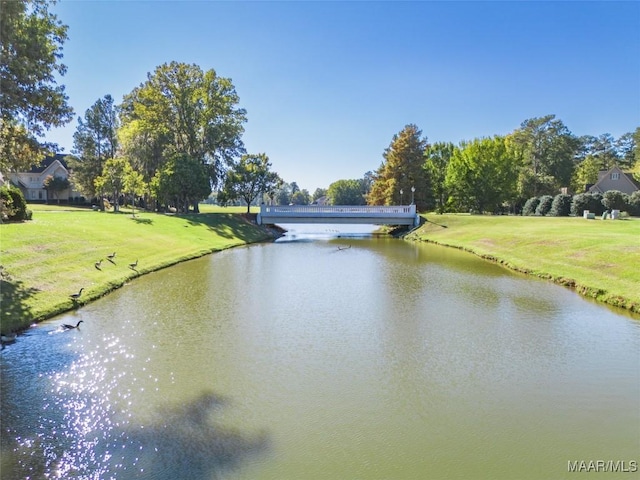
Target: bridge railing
393 214
338 209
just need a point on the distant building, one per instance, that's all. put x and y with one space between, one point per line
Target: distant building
614 179
32 182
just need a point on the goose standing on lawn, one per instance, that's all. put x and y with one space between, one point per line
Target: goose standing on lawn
76 296
133 266
111 256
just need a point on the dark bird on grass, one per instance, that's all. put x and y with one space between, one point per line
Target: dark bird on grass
98 263
111 256
66 326
76 296
133 266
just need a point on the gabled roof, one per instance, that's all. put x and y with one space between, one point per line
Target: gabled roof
604 176
47 161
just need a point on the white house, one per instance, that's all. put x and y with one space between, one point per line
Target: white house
32 182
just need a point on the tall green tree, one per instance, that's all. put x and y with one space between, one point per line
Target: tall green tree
602 150
133 185
482 175
31 101
248 178
182 181
402 169
585 173
184 112
437 157
94 141
547 150
346 192
627 148
282 194
301 197
112 179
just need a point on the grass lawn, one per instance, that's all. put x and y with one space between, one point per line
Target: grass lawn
600 258
47 259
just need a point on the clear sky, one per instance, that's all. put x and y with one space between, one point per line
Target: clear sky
326 85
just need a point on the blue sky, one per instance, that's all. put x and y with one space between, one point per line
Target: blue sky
326 85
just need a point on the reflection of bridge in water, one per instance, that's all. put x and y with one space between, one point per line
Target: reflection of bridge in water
375 215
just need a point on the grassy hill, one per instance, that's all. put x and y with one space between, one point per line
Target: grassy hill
599 258
54 255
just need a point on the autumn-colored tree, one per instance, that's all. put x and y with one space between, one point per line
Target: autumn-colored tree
402 170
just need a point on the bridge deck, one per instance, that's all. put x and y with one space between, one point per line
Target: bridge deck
376 215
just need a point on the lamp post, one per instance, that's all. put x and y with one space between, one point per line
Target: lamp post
413 189
401 196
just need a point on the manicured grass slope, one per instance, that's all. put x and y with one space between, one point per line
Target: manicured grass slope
47 259
601 259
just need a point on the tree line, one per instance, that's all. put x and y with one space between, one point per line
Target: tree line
177 137
500 173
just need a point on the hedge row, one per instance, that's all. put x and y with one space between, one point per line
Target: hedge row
563 205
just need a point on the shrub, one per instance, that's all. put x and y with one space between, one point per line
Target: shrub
530 206
615 200
596 206
580 203
633 208
13 207
587 201
561 205
544 206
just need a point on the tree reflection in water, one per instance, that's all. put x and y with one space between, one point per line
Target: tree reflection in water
180 442
185 442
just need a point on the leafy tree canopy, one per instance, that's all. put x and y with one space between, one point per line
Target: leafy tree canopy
346 192
32 102
481 174
183 181
182 111
55 185
547 150
437 158
248 178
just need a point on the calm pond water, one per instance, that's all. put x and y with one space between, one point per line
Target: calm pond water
301 360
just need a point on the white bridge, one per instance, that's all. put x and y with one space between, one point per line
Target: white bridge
375 215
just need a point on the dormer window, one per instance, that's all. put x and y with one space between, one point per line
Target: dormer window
615 176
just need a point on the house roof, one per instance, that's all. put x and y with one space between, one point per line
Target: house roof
47 161
603 177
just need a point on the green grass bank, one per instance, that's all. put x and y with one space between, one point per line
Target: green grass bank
54 255
599 258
